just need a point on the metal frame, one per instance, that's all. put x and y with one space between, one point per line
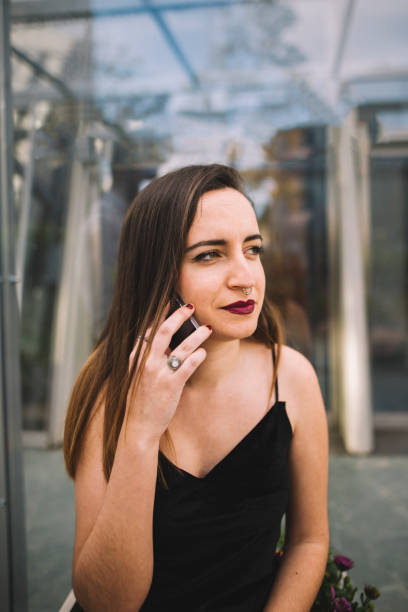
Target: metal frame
47 10
13 575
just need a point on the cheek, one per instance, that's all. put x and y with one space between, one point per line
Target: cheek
193 284
182 285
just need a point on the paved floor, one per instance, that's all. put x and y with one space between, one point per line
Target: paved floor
368 512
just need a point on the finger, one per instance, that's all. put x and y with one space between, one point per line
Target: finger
149 331
192 342
144 340
189 365
148 337
168 328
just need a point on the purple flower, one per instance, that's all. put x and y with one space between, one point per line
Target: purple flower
341 604
343 563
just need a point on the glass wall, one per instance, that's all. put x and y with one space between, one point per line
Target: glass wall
388 296
107 97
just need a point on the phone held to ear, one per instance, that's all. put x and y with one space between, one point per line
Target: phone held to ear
188 326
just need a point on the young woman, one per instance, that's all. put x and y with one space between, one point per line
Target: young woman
186 459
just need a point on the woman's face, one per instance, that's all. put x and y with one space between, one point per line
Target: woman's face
212 275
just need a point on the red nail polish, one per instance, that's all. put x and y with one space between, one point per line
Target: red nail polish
190 306
209 327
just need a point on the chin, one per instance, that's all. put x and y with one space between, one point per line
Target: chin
239 331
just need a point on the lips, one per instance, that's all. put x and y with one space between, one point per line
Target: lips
241 307
239 304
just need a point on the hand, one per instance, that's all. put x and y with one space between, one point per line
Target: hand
152 405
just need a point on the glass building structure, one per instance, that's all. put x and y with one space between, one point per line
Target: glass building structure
308 99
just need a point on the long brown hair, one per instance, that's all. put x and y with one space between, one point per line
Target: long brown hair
151 249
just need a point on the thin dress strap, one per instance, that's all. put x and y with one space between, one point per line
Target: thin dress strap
276 382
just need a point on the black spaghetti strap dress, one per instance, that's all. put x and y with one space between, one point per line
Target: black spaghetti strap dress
215 537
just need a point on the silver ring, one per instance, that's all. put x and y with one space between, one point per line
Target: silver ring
144 338
246 290
174 362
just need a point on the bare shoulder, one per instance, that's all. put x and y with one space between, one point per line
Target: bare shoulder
293 362
306 517
299 387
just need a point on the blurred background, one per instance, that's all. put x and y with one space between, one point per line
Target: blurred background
308 99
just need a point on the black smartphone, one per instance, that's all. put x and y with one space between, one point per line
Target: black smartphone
188 326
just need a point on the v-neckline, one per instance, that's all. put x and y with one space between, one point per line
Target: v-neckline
228 455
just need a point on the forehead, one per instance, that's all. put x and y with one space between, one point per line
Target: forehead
223 211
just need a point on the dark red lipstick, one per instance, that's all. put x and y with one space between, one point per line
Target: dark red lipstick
240 307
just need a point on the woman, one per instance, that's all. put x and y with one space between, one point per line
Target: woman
185 460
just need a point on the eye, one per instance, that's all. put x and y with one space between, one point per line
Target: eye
257 250
207 256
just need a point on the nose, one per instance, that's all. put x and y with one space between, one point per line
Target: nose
240 272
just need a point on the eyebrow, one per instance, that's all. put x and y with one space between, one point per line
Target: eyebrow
220 241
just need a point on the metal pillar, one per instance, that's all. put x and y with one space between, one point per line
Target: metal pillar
348 236
13 575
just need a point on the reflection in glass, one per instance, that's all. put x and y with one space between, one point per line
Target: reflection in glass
388 306
95 120
106 99
108 95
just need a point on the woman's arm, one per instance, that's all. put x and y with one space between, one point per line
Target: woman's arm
113 554
307 529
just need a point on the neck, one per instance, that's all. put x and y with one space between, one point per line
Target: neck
221 360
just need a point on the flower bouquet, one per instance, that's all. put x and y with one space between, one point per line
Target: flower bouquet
336 593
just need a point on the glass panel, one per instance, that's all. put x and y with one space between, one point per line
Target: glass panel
43 161
389 261
104 103
108 95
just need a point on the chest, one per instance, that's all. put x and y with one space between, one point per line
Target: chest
206 428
